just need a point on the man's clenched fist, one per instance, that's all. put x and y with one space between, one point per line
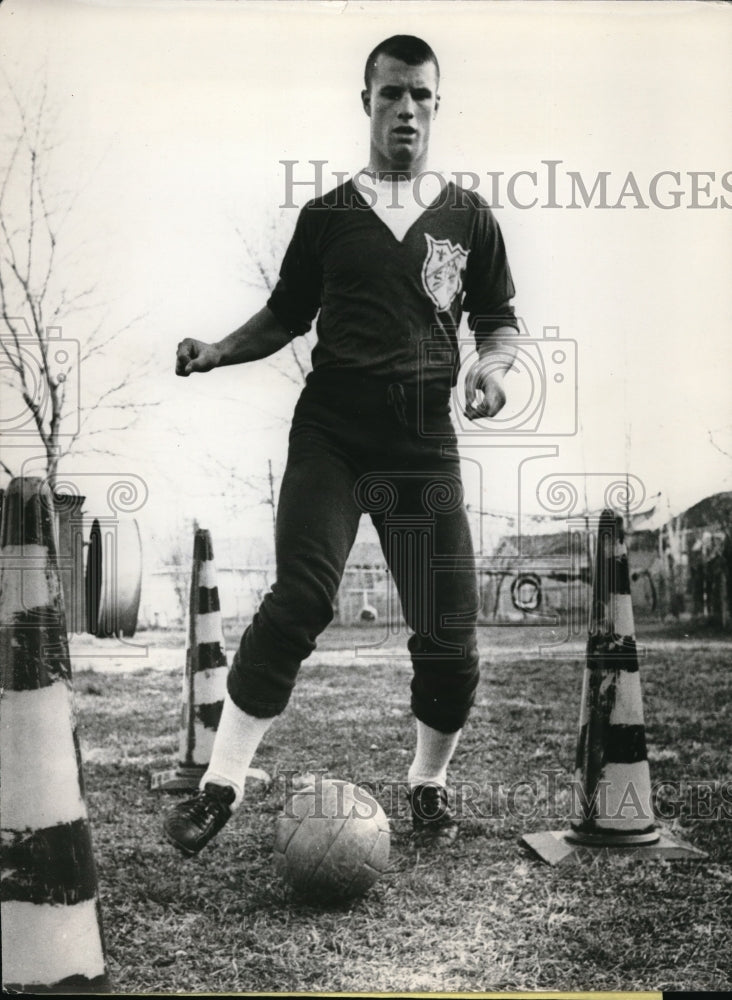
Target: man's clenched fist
195 356
486 377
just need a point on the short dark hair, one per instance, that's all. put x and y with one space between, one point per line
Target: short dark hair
408 48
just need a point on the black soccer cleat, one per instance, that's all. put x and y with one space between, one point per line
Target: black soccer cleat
190 825
433 821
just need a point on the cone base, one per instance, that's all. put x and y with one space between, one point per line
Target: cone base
555 847
609 838
186 778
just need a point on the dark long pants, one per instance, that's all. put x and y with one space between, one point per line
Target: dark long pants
359 446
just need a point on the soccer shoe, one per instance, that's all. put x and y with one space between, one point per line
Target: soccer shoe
433 821
190 825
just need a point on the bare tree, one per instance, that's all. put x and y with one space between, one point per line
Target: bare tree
264 252
41 302
179 566
264 249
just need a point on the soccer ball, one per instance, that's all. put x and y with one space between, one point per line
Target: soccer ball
332 840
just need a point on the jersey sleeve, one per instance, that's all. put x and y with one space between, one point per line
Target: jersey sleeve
295 299
488 283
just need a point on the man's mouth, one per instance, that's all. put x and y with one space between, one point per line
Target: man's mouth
405 130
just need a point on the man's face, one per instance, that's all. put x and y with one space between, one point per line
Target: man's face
401 103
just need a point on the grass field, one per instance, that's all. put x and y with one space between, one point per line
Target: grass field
485 915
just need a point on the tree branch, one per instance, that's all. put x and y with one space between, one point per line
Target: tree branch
32 306
714 444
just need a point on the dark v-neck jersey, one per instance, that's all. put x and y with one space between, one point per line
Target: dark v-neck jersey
387 308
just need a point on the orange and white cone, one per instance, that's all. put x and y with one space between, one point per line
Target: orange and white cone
52 937
612 774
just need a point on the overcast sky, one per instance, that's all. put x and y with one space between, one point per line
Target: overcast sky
174 119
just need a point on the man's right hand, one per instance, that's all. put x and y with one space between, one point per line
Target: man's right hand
196 356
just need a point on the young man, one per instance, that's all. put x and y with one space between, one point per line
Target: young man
387 265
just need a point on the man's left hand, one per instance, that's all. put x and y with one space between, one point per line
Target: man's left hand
487 378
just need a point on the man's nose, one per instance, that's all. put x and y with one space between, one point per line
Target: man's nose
406 107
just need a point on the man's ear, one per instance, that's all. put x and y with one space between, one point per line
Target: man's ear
366 101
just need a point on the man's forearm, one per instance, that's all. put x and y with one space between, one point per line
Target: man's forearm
500 348
259 337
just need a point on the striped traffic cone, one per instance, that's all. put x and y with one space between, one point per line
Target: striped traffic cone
204 679
52 937
611 768
612 777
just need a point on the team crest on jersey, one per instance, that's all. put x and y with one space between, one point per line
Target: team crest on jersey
442 271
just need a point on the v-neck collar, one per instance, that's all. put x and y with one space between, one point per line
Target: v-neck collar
383 221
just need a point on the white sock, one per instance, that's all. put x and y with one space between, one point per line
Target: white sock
237 737
434 753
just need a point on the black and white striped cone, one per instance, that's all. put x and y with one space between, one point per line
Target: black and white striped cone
612 776
204 679
611 767
52 936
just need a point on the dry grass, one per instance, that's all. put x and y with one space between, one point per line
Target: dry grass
485 915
